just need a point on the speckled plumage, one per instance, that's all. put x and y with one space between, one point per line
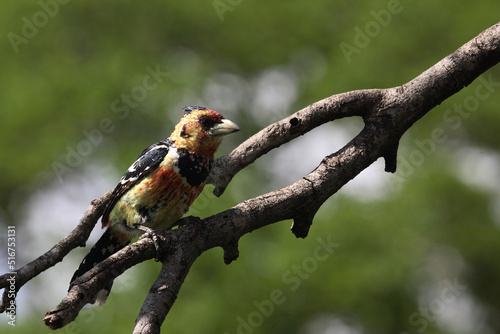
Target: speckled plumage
161 184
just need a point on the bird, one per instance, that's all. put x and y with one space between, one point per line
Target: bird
158 188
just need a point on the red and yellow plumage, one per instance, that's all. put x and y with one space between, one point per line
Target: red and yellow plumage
157 190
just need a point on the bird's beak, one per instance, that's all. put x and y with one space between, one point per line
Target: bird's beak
223 128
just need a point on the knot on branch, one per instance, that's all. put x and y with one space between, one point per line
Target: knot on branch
382 123
390 158
302 223
295 125
219 176
231 252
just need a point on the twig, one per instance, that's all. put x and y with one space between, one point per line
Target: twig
77 238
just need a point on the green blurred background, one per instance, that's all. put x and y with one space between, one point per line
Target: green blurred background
85 86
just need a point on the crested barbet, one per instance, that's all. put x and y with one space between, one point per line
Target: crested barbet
157 190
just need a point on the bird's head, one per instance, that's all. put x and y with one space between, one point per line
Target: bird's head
200 130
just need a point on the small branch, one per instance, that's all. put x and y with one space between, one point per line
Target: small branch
355 103
87 286
77 238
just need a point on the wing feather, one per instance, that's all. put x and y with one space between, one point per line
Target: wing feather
147 162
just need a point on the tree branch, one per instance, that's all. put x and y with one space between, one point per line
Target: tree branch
387 114
77 238
355 103
410 101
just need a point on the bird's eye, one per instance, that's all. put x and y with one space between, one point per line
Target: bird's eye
184 134
206 123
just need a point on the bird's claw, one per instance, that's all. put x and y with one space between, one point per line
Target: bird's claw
150 233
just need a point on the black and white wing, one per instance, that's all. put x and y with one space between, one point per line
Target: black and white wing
147 162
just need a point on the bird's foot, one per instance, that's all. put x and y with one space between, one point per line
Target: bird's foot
150 233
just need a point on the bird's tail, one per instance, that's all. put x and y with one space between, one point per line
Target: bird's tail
106 246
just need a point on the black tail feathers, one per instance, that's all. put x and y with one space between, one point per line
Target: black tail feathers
106 246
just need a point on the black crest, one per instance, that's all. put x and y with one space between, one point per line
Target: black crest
188 109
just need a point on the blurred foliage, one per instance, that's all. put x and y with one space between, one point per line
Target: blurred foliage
435 223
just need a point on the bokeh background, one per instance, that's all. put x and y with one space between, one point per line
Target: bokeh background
85 86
